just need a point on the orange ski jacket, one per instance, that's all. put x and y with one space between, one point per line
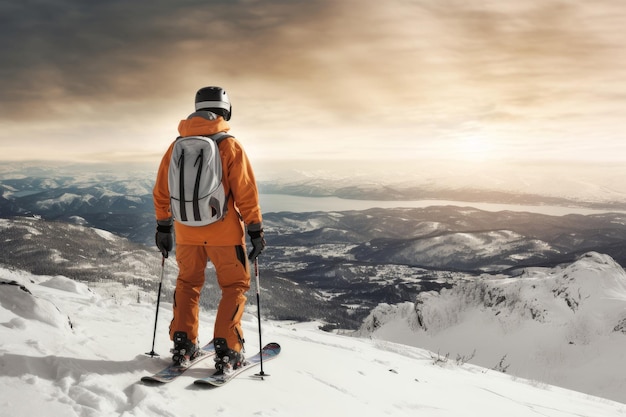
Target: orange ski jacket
239 183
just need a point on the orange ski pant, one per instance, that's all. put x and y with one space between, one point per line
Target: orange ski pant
233 277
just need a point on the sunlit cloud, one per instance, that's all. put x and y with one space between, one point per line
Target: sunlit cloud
352 80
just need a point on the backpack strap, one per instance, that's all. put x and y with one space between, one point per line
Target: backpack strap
196 189
181 185
219 136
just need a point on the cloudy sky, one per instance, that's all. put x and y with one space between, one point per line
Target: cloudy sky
477 82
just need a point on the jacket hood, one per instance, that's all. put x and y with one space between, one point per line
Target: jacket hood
202 123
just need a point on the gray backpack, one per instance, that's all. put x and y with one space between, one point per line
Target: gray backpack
197 195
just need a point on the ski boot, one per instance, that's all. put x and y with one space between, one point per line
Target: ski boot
226 359
184 350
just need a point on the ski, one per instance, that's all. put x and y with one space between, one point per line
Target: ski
173 371
219 378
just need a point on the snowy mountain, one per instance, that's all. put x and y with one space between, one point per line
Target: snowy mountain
564 326
118 198
332 266
69 351
358 259
451 237
113 198
76 251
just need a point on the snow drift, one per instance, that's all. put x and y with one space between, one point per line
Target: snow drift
67 351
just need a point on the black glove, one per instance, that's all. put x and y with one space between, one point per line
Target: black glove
258 243
163 237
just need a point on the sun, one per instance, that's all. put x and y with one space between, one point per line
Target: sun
475 148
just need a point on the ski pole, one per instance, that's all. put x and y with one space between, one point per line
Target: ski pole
258 311
152 353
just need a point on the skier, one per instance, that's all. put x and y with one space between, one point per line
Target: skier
221 242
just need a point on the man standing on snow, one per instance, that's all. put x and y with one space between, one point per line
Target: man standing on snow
222 242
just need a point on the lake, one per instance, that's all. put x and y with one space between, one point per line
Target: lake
281 202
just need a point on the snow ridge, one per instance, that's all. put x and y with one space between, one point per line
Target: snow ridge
565 326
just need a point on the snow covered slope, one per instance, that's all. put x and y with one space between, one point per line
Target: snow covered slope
564 326
67 351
